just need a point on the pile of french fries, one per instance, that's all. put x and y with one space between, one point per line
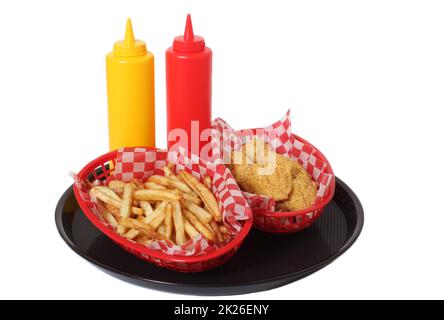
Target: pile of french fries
166 207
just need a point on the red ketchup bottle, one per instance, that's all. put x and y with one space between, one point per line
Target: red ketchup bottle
188 86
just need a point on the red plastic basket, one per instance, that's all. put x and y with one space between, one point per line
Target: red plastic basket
100 169
294 221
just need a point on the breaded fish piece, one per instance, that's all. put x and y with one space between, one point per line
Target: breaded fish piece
294 166
261 155
254 173
277 185
303 193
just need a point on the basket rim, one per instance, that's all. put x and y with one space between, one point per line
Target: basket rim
101 160
317 206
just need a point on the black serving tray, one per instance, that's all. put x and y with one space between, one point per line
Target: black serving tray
264 261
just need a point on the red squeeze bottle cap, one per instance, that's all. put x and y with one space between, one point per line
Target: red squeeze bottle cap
188 42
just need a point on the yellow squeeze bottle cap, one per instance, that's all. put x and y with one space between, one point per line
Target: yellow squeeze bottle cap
129 47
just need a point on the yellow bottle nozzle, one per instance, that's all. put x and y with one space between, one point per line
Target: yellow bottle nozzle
129 35
129 47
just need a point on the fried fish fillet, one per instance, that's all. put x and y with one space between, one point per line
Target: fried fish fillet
303 193
257 169
260 152
294 166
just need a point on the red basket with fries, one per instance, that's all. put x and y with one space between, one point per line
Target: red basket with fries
266 217
198 253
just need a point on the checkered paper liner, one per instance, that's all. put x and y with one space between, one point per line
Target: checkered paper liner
141 163
280 139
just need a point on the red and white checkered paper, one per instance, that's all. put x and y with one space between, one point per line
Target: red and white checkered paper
141 163
280 139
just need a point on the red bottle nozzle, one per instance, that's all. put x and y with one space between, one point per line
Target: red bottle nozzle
189 42
188 35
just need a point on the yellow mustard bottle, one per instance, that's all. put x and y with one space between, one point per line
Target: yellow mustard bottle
130 87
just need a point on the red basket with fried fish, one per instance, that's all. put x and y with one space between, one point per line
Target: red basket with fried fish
290 196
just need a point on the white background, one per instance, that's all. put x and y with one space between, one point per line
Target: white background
364 81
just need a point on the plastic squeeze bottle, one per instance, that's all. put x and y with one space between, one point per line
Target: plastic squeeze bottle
130 86
188 85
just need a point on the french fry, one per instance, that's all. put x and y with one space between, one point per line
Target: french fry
137 211
159 211
224 230
176 183
179 176
113 210
131 234
121 230
158 220
116 186
99 194
163 181
208 225
136 184
204 193
108 191
112 202
156 195
202 214
147 208
189 229
127 200
141 227
170 181
192 197
161 229
110 219
108 216
153 186
207 233
157 217
167 171
174 177
207 182
216 229
143 239
168 221
178 223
